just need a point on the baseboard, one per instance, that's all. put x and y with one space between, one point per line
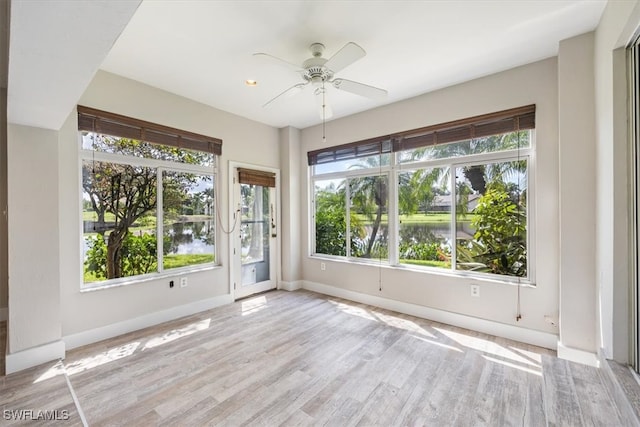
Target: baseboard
529 336
115 329
291 286
577 355
4 314
34 356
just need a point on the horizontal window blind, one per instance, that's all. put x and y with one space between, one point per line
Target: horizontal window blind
254 177
93 120
500 122
349 151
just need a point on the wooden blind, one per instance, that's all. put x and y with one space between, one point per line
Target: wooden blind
254 177
513 120
353 150
92 120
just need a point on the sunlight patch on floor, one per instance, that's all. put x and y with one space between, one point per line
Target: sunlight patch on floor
404 324
177 333
354 311
90 362
514 366
449 347
254 305
487 346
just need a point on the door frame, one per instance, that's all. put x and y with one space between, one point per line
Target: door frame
235 276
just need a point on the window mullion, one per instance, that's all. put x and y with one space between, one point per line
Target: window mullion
453 170
393 215
347 210
160 219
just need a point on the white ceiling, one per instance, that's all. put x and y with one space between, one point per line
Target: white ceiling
203 49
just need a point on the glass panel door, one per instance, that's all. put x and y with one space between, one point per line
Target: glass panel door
256 235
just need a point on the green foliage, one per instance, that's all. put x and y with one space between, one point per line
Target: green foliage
96 262
499 243
331 224
422 251
139 255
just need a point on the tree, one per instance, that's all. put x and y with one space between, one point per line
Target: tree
130 192
370 194
500 243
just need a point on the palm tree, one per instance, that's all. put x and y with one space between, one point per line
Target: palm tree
371 194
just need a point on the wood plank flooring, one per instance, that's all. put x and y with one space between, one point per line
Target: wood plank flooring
301 358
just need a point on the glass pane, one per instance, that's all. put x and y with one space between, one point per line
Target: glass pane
132 147
254 226
188 219
119 220
424 205
490 144
369 216
331 211
491 218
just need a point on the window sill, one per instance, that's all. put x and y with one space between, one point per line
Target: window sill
460 274
133 280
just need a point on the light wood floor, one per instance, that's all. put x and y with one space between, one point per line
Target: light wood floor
300 358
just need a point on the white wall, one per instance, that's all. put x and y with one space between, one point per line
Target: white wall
576 112
34 299
243 140
290 206
617 25
4 282
532 84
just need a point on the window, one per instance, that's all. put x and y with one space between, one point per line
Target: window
137 189
447 197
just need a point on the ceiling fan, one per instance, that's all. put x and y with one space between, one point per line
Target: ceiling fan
318 72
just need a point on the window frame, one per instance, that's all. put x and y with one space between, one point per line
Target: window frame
160 166
393 170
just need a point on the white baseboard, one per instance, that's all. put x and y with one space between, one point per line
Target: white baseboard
291 286
4 314
34 356
529 336
577 355
113 330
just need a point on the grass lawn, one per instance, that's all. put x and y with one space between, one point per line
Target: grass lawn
420 218
426 263
170 261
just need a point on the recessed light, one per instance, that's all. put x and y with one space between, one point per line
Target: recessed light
250 82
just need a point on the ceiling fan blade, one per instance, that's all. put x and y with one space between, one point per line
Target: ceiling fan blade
346 56
279 61
360 89
293 90
324 109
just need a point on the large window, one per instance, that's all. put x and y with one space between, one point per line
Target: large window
450 197
147 207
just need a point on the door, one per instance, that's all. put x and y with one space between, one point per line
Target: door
255 236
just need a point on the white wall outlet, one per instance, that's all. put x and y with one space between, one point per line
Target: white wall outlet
550 320
183 282
323 266
475 290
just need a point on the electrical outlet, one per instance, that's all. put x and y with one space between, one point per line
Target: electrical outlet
475 290
183 282
171 283
323 266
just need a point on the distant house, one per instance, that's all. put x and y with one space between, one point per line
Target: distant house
443 203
